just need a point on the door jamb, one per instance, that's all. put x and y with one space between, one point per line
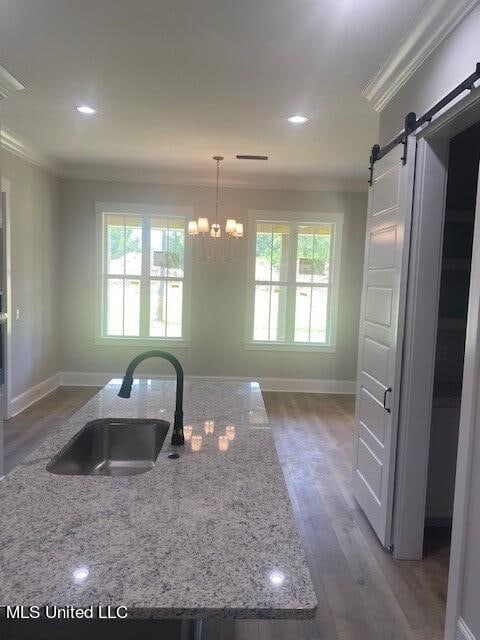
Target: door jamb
419 347
470 409
7 266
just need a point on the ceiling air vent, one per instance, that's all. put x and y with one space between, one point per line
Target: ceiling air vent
250 157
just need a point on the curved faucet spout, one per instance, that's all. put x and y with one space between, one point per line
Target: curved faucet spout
126 388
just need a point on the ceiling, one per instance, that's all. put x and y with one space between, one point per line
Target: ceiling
177 81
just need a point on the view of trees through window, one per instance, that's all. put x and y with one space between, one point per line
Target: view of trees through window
123 240
143 285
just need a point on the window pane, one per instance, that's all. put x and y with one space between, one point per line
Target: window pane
311 305
133 246
302 314
322 246
318 331
272 245
176 248
313 253
167 242
280 252
132 308
123 319
166 303
114 307
270 312
115 246
124 245
263 255
158 308
174 309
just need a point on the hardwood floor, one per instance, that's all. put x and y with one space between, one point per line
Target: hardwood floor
28 429
363 593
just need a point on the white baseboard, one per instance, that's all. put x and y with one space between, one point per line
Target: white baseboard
72 378
84 379
35 393
463 632
307 385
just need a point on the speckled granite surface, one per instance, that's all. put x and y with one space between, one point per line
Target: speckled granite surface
211 534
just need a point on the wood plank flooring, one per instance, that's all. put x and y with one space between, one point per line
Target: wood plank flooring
28 429
363 593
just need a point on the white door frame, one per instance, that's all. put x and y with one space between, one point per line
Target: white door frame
419 348
7 270
419 355
470 410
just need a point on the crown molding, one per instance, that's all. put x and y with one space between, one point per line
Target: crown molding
435 21
150 175
8 84
14 144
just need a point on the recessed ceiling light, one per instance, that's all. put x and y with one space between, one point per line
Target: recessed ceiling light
84 108
297 119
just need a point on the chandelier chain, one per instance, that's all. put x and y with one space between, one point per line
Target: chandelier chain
216 202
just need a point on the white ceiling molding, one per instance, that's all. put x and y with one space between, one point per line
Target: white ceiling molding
434 22
170 178
150 175
8 84
12 143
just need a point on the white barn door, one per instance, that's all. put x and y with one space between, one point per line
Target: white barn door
381 336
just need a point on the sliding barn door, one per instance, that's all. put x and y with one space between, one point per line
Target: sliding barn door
381 336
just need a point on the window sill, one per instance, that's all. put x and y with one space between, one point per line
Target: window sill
170 343
291 346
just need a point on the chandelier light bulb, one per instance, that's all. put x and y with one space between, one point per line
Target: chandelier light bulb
230 226
192 228
239 230
203 226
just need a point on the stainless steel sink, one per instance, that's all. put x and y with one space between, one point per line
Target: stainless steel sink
111 447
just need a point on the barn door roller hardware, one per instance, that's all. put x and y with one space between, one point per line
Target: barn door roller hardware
412 123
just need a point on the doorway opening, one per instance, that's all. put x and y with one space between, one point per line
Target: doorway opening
460 203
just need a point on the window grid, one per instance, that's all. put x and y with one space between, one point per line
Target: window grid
144 278
292 284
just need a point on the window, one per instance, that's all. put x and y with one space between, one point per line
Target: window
294 275
142 264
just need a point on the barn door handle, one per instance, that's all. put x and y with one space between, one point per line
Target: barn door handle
388 390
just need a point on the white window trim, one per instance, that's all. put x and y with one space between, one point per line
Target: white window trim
135 209
296 217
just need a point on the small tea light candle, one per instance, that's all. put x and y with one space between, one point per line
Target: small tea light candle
209 427
223 443
196 443
230 432
187 431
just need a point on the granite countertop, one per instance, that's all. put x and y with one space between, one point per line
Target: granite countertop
211 534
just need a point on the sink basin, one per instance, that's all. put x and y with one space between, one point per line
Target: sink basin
111 447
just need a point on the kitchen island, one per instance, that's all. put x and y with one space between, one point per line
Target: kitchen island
210 534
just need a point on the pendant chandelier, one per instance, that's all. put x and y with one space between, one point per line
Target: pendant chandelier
216 245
